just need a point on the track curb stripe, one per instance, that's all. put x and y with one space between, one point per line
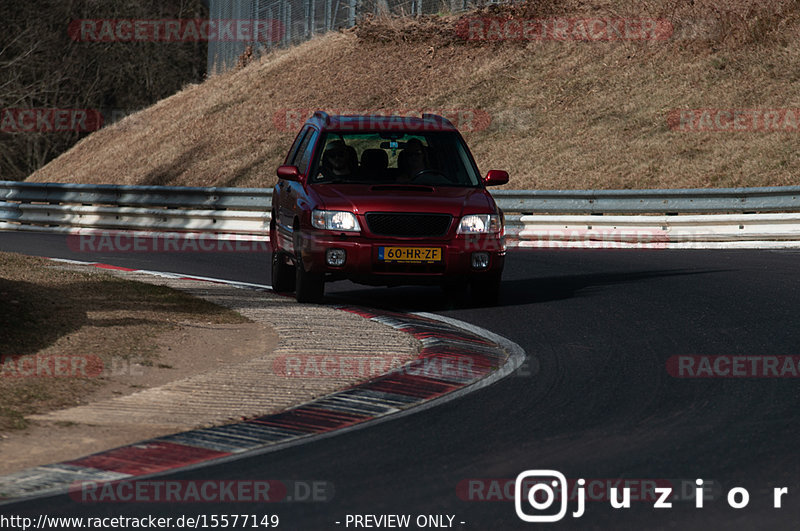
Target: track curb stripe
451 359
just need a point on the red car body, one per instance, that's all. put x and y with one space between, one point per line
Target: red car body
374 223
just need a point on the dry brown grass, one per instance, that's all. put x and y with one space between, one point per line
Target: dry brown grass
564 114
46 311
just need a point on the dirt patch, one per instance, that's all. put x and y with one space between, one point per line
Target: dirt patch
66 334
197 372
188 349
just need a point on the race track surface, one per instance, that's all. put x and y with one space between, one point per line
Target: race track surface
601 325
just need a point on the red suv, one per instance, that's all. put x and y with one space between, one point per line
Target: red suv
384 200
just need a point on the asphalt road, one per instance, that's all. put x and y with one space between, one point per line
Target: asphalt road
602 325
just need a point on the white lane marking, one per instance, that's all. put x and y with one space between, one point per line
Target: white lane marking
167 274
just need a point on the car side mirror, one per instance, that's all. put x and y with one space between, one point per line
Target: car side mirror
290 173
495 178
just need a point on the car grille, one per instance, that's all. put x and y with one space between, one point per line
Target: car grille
420 225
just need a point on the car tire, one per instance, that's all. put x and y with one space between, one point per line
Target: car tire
309 287
283 275
486 289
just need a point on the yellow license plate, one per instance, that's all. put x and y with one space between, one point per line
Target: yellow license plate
419 255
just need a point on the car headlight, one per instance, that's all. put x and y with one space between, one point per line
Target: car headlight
479 224
335 220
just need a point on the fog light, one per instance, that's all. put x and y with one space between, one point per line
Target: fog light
480 260
336 257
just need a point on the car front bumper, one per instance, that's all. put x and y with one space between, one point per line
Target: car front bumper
363 262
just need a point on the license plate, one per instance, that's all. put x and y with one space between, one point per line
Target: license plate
418 255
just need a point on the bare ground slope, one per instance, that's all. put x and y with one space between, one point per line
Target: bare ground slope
563 114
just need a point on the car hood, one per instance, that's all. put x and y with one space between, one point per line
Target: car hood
363 198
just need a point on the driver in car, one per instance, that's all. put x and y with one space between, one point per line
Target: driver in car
337 160
412 160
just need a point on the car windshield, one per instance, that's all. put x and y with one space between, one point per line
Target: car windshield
427 158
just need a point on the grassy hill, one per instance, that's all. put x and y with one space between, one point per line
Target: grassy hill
556 113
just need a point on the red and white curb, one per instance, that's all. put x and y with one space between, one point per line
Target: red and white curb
456 358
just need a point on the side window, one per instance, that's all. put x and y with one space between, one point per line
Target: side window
294 149
305 152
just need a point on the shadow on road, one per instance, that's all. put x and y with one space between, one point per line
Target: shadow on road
513 292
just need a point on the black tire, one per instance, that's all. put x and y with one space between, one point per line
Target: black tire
283 276
309 287
486 289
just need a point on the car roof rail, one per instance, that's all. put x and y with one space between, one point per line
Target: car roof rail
322 115
437 118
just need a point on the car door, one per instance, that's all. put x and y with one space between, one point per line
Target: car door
293 199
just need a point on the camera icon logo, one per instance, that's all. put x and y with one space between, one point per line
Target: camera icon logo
541 495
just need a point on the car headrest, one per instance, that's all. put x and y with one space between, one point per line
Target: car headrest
374 160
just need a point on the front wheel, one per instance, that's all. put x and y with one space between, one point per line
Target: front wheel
283 276
309 287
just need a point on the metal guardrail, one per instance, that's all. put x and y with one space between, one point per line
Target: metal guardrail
121 195
59 207
684 201
657 232
244 213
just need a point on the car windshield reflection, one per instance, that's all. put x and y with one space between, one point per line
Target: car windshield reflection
425 158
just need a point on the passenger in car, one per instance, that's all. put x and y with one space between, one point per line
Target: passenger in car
411 160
